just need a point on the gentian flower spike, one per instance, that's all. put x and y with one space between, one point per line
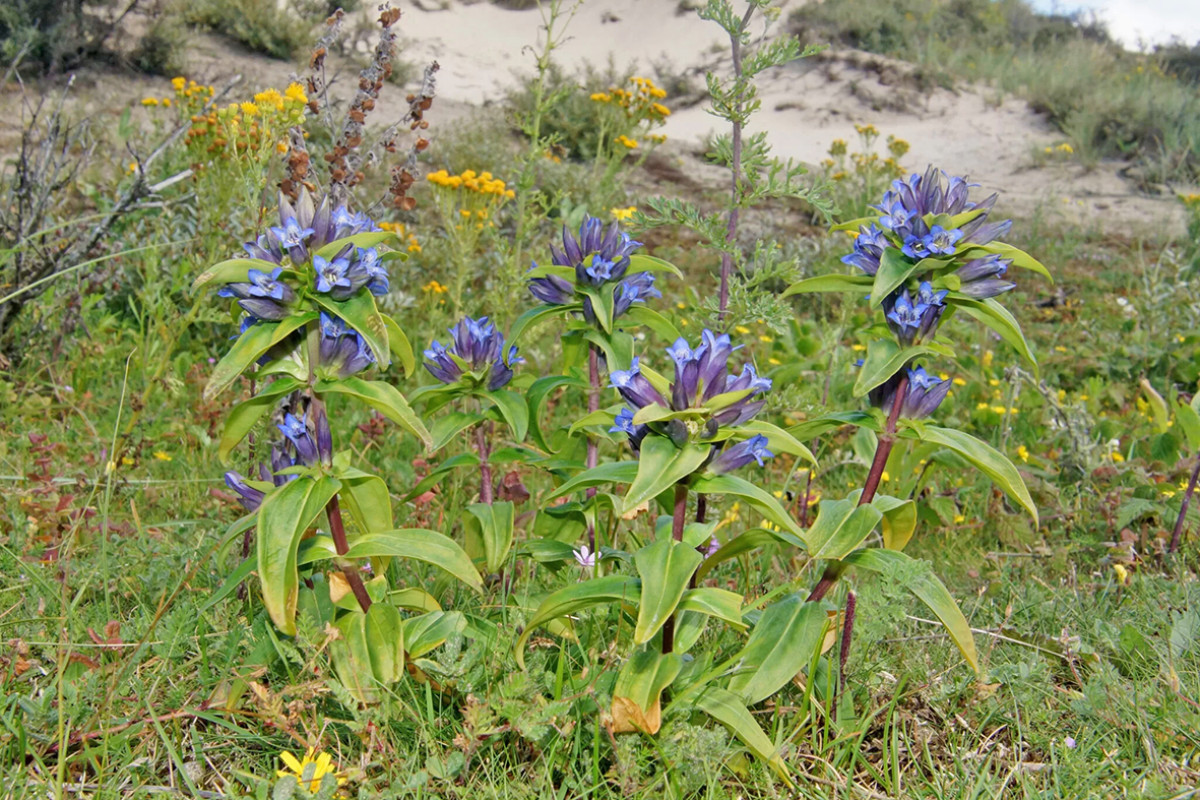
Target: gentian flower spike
481 347
295 430
924 394
331 275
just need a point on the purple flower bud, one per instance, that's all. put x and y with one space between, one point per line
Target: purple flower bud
481 346
924 394
296 431
551 290
248 496
753 449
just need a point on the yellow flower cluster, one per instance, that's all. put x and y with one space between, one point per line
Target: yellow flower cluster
1192 201
398 228
248 127
433 287
482 182
639 103
622 214
626 141
1064 148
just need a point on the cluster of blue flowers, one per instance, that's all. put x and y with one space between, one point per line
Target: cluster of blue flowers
599 256
476 347
902 224
307 441
701 375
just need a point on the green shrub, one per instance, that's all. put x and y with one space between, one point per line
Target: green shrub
261 25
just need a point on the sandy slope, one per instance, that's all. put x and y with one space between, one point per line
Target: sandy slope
485 49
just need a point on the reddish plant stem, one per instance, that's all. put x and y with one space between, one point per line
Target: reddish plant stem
593 454
883 449
1183 508
485 468
338 530
735 166
847 631
677 523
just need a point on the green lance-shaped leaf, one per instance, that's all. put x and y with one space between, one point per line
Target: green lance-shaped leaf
1189 420
365 240
536 397
666 567
429 631
496 530
400 346
894 270
637 695
283 517
660 466
352 657
414 599
759 499
841 527
783 642
384 631
984 457
538 314
511 407
1019 258
256 340
367 499
742 543
859 284
602 303
926 586
384 398
853 224
725 707
818 426
598 591
235 270
640 262
642 315
445 428
720 603
359 312
884 359
617 472
245 415
899 520
998 318
422 545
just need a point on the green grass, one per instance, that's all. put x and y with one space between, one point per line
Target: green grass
121 677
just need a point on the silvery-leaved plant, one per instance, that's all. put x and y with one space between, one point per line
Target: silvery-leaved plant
311 337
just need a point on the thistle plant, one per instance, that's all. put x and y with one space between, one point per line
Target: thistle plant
473 371
310 330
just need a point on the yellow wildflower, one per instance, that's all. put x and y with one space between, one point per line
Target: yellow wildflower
1121 573
988 355
1023 453
622 214
179 83
959 519
742 329
149 101
162 456
248 109
1117 458
311 769
295 92
959 382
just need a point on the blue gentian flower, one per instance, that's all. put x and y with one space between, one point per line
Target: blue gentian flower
915 246
980 277
914 319
342 350
940 242
308 448
480 347
599 256
377 274
741 454
701 374
248 496
924 394
331 274
868 248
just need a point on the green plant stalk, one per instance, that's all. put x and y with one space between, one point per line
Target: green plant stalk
483 448
333 510
593 449
883 449
677 522
735 40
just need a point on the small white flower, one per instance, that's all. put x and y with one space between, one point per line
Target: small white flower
585 557
1069 742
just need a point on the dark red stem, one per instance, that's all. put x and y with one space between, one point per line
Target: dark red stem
847 631
677 522
1183 508
338 529
883 449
